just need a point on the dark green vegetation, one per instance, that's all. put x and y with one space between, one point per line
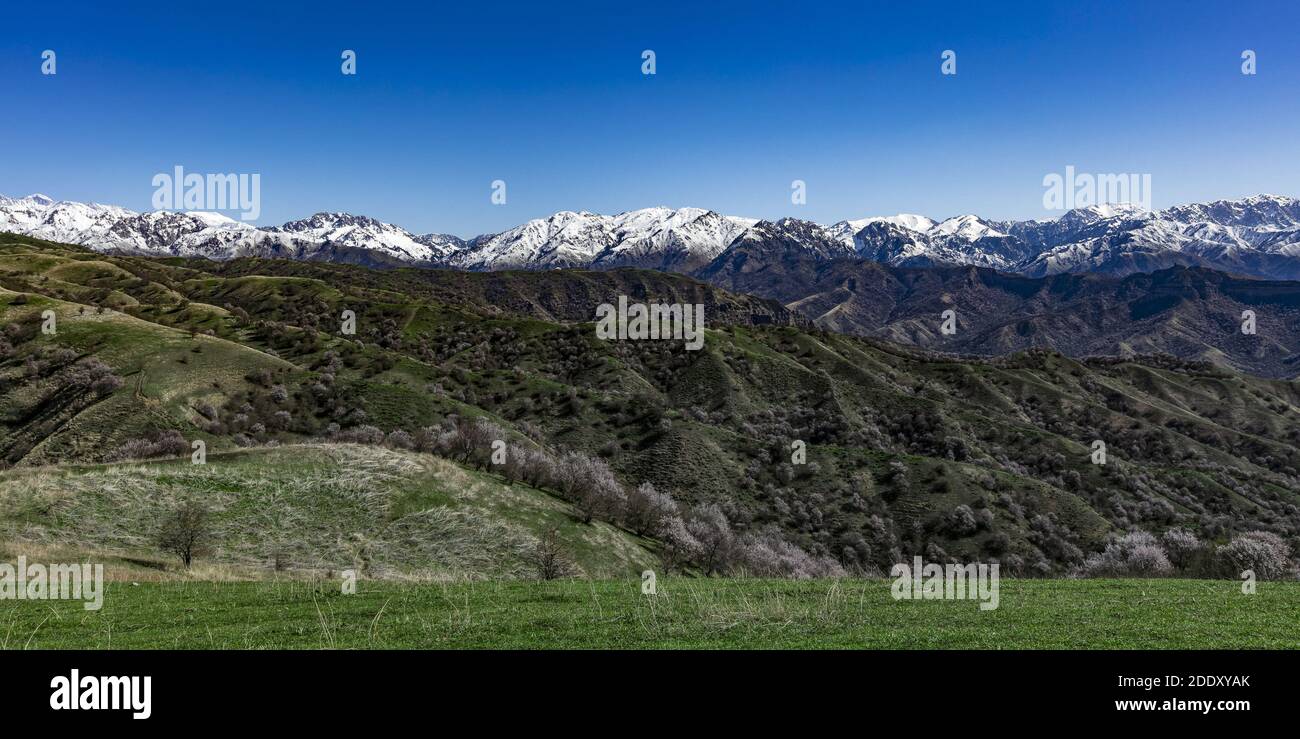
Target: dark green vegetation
907 452
686 613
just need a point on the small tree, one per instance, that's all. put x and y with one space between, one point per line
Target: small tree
186 532
548 557
1182 547
709 527
648 510
680 548
601 496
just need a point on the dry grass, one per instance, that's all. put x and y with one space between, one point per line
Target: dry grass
307 511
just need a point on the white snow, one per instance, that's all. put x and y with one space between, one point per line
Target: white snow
1082 239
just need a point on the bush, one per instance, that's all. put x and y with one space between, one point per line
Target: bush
1259 551
167 443
95 375
961 522
1135 554
648 510
400 439
768 555
359 435
680 548
548 558
1183 548
590 485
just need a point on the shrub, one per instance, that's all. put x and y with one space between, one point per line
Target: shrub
167 443
399 439
360 435
679 547
598 493
1135 554
1182 548
961 521
281 420
548 558
648 510
768 555
1260 551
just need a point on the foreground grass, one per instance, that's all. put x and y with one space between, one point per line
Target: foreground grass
686 613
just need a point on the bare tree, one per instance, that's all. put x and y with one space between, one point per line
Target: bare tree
548 557
186 532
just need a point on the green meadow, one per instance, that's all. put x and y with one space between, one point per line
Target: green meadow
685 613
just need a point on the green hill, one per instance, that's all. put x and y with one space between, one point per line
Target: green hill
306 510
907 452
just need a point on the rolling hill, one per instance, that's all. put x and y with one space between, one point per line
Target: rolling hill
907 451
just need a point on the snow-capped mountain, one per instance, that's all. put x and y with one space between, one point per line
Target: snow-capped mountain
846 230
916 241
330 236
363 232
658 238
968 227
785 245
1257 235
791 235
43 217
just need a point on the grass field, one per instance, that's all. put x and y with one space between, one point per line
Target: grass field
686 613
314 508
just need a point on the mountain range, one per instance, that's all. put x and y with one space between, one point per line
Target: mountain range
1257 236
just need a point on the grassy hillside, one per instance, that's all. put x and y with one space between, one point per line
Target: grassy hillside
907 452
686 613
303 511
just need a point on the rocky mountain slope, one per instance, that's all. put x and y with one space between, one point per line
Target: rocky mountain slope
1189 312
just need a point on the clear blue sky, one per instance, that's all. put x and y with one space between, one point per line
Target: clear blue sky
748 96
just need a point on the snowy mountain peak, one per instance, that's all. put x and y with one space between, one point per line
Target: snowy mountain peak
793 236
1113 210
909 221
363 232
966 226
1257 235
659 237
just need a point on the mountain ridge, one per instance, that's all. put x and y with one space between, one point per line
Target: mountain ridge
1255 236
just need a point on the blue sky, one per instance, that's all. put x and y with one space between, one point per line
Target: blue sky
748 96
